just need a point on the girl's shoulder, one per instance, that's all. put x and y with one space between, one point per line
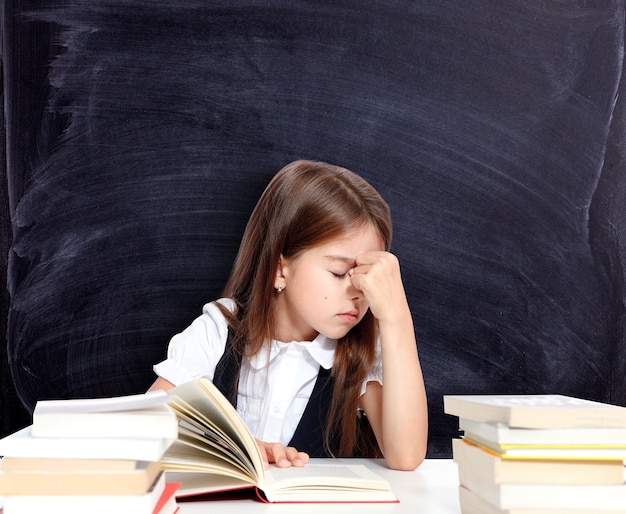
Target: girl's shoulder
213 314
212 323
212 309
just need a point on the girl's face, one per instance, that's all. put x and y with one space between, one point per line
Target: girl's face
318 295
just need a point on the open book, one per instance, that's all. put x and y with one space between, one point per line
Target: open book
215 452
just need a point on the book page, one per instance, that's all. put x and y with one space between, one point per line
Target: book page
354 476
182 457
208 435
194 424
193 483
332 482
202 449
214 410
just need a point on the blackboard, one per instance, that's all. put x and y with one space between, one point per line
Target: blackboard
140 133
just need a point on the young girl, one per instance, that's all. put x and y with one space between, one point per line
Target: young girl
313 341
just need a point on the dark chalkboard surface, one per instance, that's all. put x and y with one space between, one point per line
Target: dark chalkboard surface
140 134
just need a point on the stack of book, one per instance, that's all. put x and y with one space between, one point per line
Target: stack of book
534 454
91 456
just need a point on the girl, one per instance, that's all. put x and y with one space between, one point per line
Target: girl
313 341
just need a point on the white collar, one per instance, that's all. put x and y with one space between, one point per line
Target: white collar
322 349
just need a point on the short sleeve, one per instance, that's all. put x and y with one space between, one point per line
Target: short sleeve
195 352
375 373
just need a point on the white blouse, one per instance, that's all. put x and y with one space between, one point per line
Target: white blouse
274 386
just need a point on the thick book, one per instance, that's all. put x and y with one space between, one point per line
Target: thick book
470 458
215 452
56 482
536 411
22 444
134 416
472 503
545 496
502 435
160 499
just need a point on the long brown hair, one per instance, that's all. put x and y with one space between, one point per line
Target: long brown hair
306 204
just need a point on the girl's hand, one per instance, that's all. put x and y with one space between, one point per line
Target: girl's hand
281 456
377 275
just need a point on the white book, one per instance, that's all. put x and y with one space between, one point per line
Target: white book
500 434
546 496
536 411
472 503
23 444
145 415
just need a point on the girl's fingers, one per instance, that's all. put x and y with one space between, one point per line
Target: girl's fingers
282 456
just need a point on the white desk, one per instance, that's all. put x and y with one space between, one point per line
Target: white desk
432 488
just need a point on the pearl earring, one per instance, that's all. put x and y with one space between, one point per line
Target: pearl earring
280 288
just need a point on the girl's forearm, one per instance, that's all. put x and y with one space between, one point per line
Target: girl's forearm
404 406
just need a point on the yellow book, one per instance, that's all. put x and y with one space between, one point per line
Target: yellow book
556 452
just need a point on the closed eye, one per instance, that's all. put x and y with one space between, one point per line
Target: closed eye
339 275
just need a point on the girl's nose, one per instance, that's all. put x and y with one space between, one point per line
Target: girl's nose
354 292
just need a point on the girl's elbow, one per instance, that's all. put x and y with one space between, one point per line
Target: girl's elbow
406 461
